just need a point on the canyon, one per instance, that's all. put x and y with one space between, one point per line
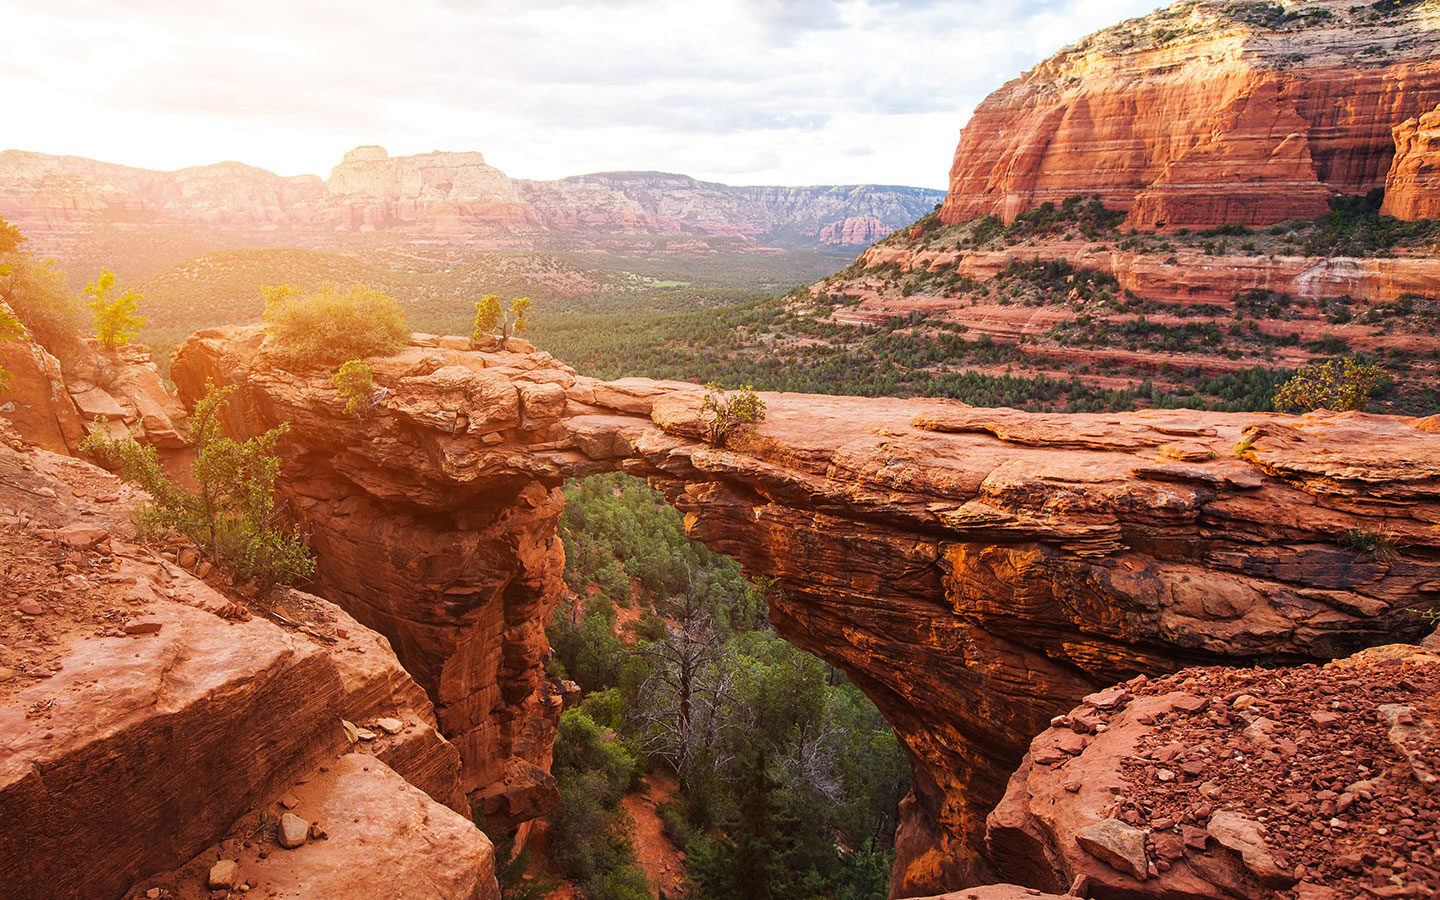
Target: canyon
1156 653
974 571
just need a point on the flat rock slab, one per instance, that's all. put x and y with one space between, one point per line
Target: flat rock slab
382 838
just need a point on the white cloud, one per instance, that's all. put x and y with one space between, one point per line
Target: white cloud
753 91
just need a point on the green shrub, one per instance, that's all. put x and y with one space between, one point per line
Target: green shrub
330 326
1376 544
1338 384
231 513
356 383
116 322
723 411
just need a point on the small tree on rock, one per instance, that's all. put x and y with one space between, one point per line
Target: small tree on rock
116 323
1339 384
356 383
495 322
723 411
231 515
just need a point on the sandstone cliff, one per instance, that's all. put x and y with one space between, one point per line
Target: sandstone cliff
1206 113
1412 188
975 571
154 725
117 391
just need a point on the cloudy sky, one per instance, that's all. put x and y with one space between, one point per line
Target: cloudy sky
741 91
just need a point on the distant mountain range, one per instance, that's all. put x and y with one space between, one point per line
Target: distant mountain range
443 198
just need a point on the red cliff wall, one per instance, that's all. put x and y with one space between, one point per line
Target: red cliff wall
1192 117
1412 189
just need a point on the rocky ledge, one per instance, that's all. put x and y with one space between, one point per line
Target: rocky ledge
975 571
1315 783
155 728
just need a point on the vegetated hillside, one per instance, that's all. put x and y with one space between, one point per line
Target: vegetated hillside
1004 315
438 286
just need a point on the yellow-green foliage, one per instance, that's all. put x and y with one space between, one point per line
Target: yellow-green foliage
1337 384
10 329
329 326
38 296
723 411
356 382
495 322
115 320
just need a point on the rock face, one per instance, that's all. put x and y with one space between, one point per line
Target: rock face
144 712
1235 783
117 391
801 215
1206 113
974 571
437 195
39 191
862 230
1412 189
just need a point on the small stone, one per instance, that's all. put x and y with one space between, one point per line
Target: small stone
153 894
390 726
292 831
81 536
366 734
188 558
1110 698
1119 845
317 833
289 801
204 569
1324 718
1190 703
1245 837
1244 701
224 874
30 607
150 627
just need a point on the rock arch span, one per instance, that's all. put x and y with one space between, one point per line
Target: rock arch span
975 571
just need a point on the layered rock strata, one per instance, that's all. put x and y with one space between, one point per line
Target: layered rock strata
1206 113
440 196
1412 187
974 571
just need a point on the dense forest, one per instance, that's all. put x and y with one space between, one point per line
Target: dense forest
789 778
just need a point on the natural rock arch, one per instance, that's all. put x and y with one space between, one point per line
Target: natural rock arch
974 571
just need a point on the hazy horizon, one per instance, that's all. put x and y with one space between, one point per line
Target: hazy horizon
799 93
